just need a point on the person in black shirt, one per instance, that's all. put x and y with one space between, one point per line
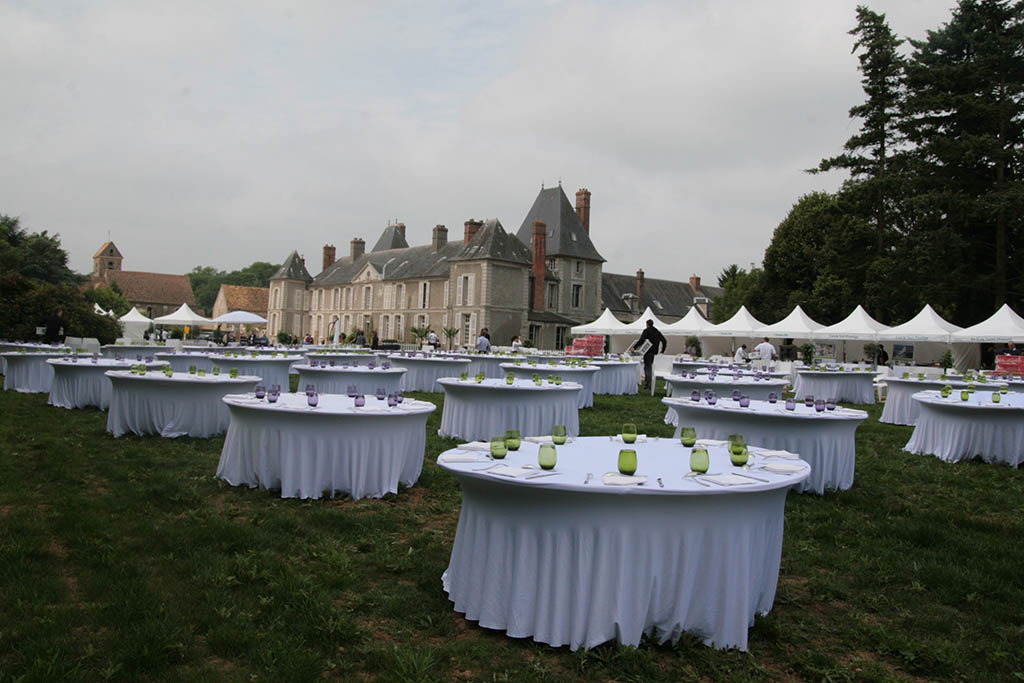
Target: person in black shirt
652 335
1010 350
53 326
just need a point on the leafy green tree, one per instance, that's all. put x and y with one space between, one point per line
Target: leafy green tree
206 280
38 256
741 288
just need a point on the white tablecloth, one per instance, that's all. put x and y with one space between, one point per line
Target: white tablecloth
956 430
130 351
180 362
576 564
81 383
337 379
7 346
852 387
271 369
423 373
173 406
723 386
900 407
679 365
335 447
616 377
825 440
582 376
29 373
475 411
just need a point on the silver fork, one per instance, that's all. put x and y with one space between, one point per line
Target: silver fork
590 475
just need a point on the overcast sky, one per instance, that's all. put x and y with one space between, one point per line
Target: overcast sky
218 133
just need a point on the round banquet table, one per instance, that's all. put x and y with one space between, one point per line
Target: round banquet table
900 406
271 369
29 372
423 373
956 430
131 350
582 376
852 387
335 447
180 362
680 365
776 374
723 386
81 383
336 380
573 563
825 440
479 410
29 347
179 405
616 377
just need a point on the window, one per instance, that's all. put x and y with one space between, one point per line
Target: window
277 297
422 320
368 297
424 295
465 329
577 296
401 297
552 266
559 338
399 324
552 300
579 267
385 327
463 291
298 299
534 334
110 264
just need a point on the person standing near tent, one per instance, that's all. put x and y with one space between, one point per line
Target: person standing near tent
741 354
766 350
652 335
54 326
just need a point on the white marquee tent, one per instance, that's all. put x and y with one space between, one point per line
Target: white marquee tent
134 324
606 323
640 324
796 325
999 328
858 326
183 316
693 323
926 326
742 324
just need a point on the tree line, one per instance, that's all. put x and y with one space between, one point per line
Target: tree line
933 209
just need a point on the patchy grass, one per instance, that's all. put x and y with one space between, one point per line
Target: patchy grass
125 559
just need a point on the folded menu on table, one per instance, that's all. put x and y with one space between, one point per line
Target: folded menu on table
710 443
768 453
514 472
617 479
782 468
464 457
640 438
728 479
474 446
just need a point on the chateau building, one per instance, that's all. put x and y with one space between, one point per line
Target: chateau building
154 294
535 283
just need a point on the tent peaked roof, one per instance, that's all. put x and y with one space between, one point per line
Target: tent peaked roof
925 326
606 323
183 316
133 316
640 324
1000 327
691 323
741 324
239 318
796 325
856 326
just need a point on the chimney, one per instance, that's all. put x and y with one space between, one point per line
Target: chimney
401 229
640 286
357 247
583 207
695 283
329 252
472 225
540 236
440 238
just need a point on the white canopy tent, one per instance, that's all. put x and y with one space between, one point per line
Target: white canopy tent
926 326
134 324
796 325
183 316
606 323
1002 326
239 318
742 324
640 324
693 323
858 326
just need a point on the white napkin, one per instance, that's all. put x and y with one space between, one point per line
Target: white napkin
782 468
463 457
475 446
767 453
514 472
710 443
617 479
640 438
728 479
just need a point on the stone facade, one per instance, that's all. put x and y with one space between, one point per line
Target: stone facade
154 294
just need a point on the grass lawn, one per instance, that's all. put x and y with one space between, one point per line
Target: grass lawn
125 559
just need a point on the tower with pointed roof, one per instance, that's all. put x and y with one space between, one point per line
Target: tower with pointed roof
289 297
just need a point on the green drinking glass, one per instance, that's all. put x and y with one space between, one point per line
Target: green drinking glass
558 380
736 444
629 433
464 376
547 457
510 378
688 436
946 391
627 461
739 456
498 448
964 395
1003 389
971 387
699 460
216 369
558 434
512 439
234 373
995 397
191 369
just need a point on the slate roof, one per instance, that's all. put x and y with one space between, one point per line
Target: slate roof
667 298
252 299
566 234
293 268
391 238
550 317
490 242
105 247
150 288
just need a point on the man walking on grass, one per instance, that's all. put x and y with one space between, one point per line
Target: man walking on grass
652 335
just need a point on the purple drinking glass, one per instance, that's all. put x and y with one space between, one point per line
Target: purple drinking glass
712 399
830 404
138 356
392 400
695 395
261 391
790 404
772 397
313 399
371 365
819 405
310 389
272 397
399 396
735 394
809 401
386 365
360 401
381 393
744 401
352 390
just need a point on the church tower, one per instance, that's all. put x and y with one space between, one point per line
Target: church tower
107 258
